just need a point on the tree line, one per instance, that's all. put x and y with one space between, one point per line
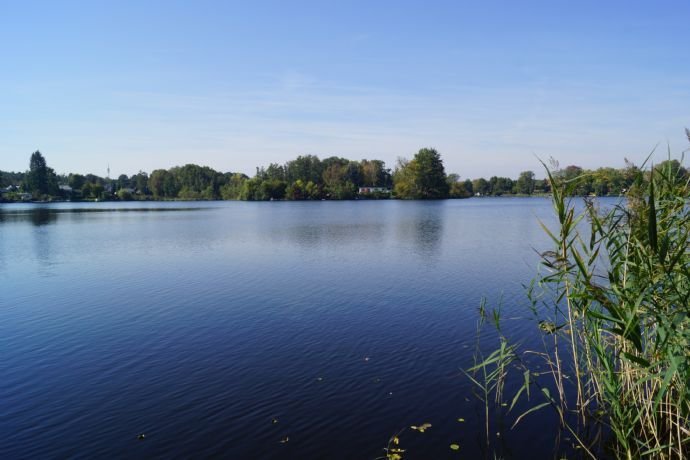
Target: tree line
307 178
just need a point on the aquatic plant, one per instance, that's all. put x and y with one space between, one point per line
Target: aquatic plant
613 309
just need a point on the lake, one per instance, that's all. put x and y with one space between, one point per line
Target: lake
220 329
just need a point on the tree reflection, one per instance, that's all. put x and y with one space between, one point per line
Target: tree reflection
42 216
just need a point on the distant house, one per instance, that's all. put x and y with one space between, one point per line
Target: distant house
25 196
363 190
65 188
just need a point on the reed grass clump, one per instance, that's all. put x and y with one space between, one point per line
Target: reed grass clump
613 309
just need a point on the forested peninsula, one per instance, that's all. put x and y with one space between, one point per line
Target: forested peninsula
305 178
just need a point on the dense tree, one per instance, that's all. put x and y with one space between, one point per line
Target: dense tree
430 175
671 168
481 186
122 182
252 190
273 172
305 168
309 178
458 188
76 181
162 184
92 190
299 190
40 180
469 188
542 186
403 179
140 182
375 174
500 185
525 183
339 180
11 178
124 194
423 177
232 190
274 189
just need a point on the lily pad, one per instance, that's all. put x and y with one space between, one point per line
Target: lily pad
422 428
454 447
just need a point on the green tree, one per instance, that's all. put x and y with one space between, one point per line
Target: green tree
430 175
403 179
525 183
423 177
672 168
40 180
274 189
124 195
458 188
338 183
163 184
306 168
92 190
500 185
234 185
140 182
299 190
574 173
542 186
481 186
76 181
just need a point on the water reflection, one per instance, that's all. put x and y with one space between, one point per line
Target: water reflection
423 228
319 235
43 216
43 242
239 307
37 216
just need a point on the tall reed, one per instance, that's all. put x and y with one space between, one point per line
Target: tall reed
613 306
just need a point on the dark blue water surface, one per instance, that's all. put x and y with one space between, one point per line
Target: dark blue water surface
198 324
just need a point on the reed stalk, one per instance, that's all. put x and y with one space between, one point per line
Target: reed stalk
616 292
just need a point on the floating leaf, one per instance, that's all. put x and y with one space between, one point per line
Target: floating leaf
141 436
422 428
285 439
454 447
547 326
461 420
274 421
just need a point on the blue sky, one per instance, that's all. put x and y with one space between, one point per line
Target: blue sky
235 85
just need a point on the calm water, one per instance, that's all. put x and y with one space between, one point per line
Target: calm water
199 323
